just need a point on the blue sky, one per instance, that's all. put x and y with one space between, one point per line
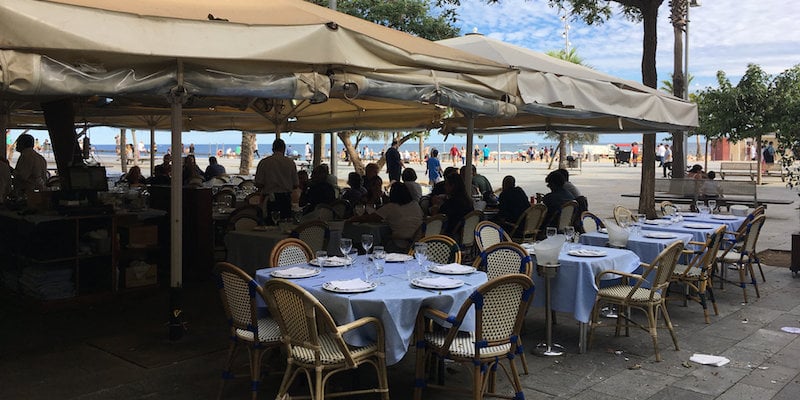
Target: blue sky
723 35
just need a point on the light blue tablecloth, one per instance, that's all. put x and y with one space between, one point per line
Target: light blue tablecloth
573 289
731 224
646 248
395 302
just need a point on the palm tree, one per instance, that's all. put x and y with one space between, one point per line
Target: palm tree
667 87
571 137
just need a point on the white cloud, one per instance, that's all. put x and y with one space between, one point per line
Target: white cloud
724 35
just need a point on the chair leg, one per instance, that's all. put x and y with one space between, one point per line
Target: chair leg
383 379
742 284
226 373
668 322
651 320
477 382
523 360
753 279
710 291
419 378
515 380
255 372
758 262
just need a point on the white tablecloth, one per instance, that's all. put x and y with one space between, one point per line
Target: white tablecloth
395 302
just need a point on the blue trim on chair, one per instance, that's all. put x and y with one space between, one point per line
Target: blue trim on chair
252 288
220 282
254 385
519 396
420 344
528 293
481 344
526 259
420 383
477 299
453 320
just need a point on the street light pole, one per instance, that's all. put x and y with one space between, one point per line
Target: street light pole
692 3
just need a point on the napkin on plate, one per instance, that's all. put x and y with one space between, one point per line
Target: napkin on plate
708 359
655 222
454 268
350 284
586 252
699 226
293 272
397 257
335 260
660 235
439 282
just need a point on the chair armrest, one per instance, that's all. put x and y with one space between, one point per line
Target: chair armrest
434 313
361 322
597 278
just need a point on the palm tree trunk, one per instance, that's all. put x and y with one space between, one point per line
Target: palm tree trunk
246 162
647 202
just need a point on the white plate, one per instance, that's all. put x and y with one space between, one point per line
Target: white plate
438 283
398 257
698 226
452 269
725 217
331 286
332 262
587 253
603 230
656 222
688 214
295 272
660 235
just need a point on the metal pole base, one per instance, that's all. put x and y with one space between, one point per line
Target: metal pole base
554 350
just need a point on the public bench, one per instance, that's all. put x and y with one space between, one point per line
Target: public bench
749 169
687 191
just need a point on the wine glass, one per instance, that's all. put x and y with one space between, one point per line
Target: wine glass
368 270
569 232
420 253
551 231
322 257
366 242
379 259
698 204
712 205
275 216
345 245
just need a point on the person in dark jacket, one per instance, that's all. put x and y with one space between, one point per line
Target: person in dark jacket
456 205
556 198
513 202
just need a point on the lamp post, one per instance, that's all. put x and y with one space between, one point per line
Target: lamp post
692 3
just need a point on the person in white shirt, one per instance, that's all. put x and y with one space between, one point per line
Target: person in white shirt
667 165
660 150
31 171
401 213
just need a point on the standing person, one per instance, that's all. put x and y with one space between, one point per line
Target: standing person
486 153
753 152
394 162
256 154
31 170
660 150
476 154
463 155
635 153
769 156
191 148
434 168
142 150
747 151
116 142
454 154
307 152
276 177
667 165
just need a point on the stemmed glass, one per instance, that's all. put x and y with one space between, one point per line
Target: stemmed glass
366 242
275 216
379 259
420 253
345 245
551 231
698 204
569 232
712 205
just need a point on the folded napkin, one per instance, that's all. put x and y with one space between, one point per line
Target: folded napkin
655 222
586 252
660 235
350 284
334 260
397 257
439 282
707 359
698 226
725 217
454 268
294 272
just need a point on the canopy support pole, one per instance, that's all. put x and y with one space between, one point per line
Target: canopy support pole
468 159
177 98
152 148
5 123
498 153
334 157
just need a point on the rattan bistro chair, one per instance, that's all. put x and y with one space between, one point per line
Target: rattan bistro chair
527 226
236 290
441 249
743 255
566 214
315 233
500 306
696 275
590 222
290 251
315 344
633 295
622 215
488 233
467 234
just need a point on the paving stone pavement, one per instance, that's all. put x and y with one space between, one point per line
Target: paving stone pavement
119 349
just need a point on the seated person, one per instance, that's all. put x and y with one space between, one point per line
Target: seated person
403 215
696 172
710 189
583 203
319 189
134 177
439 187
513 202
410 180
192 174
160 176
456 206
213 169
556 198
355 191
